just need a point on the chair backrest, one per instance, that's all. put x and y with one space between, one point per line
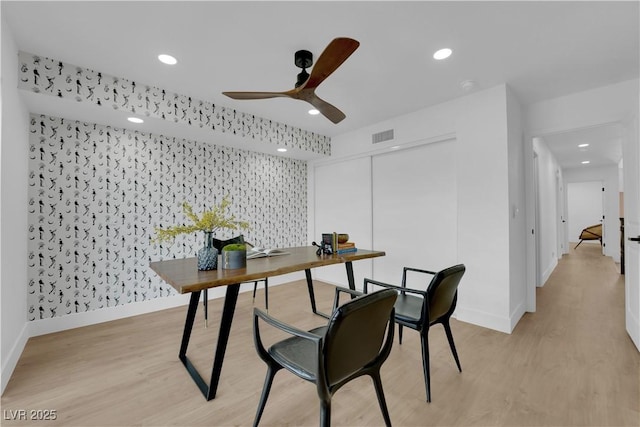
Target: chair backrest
442 291
355 334
219 244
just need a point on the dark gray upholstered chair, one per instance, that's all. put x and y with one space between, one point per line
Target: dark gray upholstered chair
420 309
356 341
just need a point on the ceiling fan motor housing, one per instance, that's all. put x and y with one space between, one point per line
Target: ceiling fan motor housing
303 59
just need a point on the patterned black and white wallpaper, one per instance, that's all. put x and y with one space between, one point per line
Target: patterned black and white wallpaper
97 192
55 78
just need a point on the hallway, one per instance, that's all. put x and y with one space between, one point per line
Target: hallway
588 367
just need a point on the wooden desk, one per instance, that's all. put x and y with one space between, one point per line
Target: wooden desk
184 276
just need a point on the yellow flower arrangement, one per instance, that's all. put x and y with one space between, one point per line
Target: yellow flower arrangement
210 221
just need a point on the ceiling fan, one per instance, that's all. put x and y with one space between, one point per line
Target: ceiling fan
331 58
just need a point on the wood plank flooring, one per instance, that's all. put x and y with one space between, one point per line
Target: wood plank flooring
570 363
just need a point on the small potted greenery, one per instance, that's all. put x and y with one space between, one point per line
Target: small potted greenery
208 222
234 255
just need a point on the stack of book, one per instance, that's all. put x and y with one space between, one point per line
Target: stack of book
331 239
343 248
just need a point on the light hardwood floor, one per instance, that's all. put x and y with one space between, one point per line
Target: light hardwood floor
570 363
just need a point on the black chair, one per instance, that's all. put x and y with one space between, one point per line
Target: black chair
219 244
352 344
420 309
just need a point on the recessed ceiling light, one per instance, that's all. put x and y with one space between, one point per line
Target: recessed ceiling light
135 120
167 59
442 54
282 150
314 112
586 162
583 145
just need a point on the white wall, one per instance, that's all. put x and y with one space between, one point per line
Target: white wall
483 209
607 104
341 190
584 207
415 214
479 124
13 212
548 175
517 217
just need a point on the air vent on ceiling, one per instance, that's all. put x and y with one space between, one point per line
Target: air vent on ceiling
382 136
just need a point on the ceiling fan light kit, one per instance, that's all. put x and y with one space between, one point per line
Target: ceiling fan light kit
329 60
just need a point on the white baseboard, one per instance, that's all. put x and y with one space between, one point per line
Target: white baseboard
547 272
9 365
478 318
484 319
77 320
516 315
633 328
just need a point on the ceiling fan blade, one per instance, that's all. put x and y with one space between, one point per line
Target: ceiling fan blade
256 95
326 109
330 59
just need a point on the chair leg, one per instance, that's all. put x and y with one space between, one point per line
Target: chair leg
271 372
377 383
400 334
325 413
424 340
447 329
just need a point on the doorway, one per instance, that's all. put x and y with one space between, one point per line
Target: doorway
584 209
607 212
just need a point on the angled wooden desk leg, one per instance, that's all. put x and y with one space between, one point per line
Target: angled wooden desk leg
231 297
312 296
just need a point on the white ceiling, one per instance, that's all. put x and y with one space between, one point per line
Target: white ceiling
540 49
604 146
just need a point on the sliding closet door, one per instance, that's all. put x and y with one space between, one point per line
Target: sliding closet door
415 209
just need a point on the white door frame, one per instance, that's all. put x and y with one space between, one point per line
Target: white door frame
530 182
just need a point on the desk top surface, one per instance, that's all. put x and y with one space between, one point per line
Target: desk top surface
184 276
